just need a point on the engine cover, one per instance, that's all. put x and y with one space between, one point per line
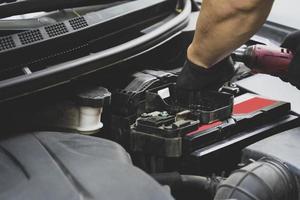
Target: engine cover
50 165
284 147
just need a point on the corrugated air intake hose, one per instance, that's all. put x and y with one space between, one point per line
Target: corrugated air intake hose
261 180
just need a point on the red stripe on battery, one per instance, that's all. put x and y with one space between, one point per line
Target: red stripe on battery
205 127
252 105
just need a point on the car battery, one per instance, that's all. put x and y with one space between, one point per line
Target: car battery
249 111
153 135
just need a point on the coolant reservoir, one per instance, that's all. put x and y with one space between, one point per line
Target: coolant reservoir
90 106
81 113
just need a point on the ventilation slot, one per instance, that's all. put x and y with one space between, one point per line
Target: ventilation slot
78 23
7 43
56 29
30 36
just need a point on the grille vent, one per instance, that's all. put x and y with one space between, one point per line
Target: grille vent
30 36
6 43
78 23
56 29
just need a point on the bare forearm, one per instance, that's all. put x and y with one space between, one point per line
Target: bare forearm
224 25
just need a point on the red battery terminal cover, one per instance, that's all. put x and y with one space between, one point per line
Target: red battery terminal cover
249 111
252 105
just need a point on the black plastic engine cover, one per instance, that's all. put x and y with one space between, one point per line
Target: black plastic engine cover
283 147
57 166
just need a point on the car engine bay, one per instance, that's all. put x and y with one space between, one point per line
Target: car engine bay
124 131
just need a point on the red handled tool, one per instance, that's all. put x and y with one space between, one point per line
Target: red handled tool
265 59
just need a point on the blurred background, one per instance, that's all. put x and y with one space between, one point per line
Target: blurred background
286 13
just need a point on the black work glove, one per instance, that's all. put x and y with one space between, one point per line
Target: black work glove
292 42
194 80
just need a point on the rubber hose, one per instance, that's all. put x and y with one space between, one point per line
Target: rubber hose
263 180
176 182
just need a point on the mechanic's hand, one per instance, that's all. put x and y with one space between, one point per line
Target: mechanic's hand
194 79
292 42
197 78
